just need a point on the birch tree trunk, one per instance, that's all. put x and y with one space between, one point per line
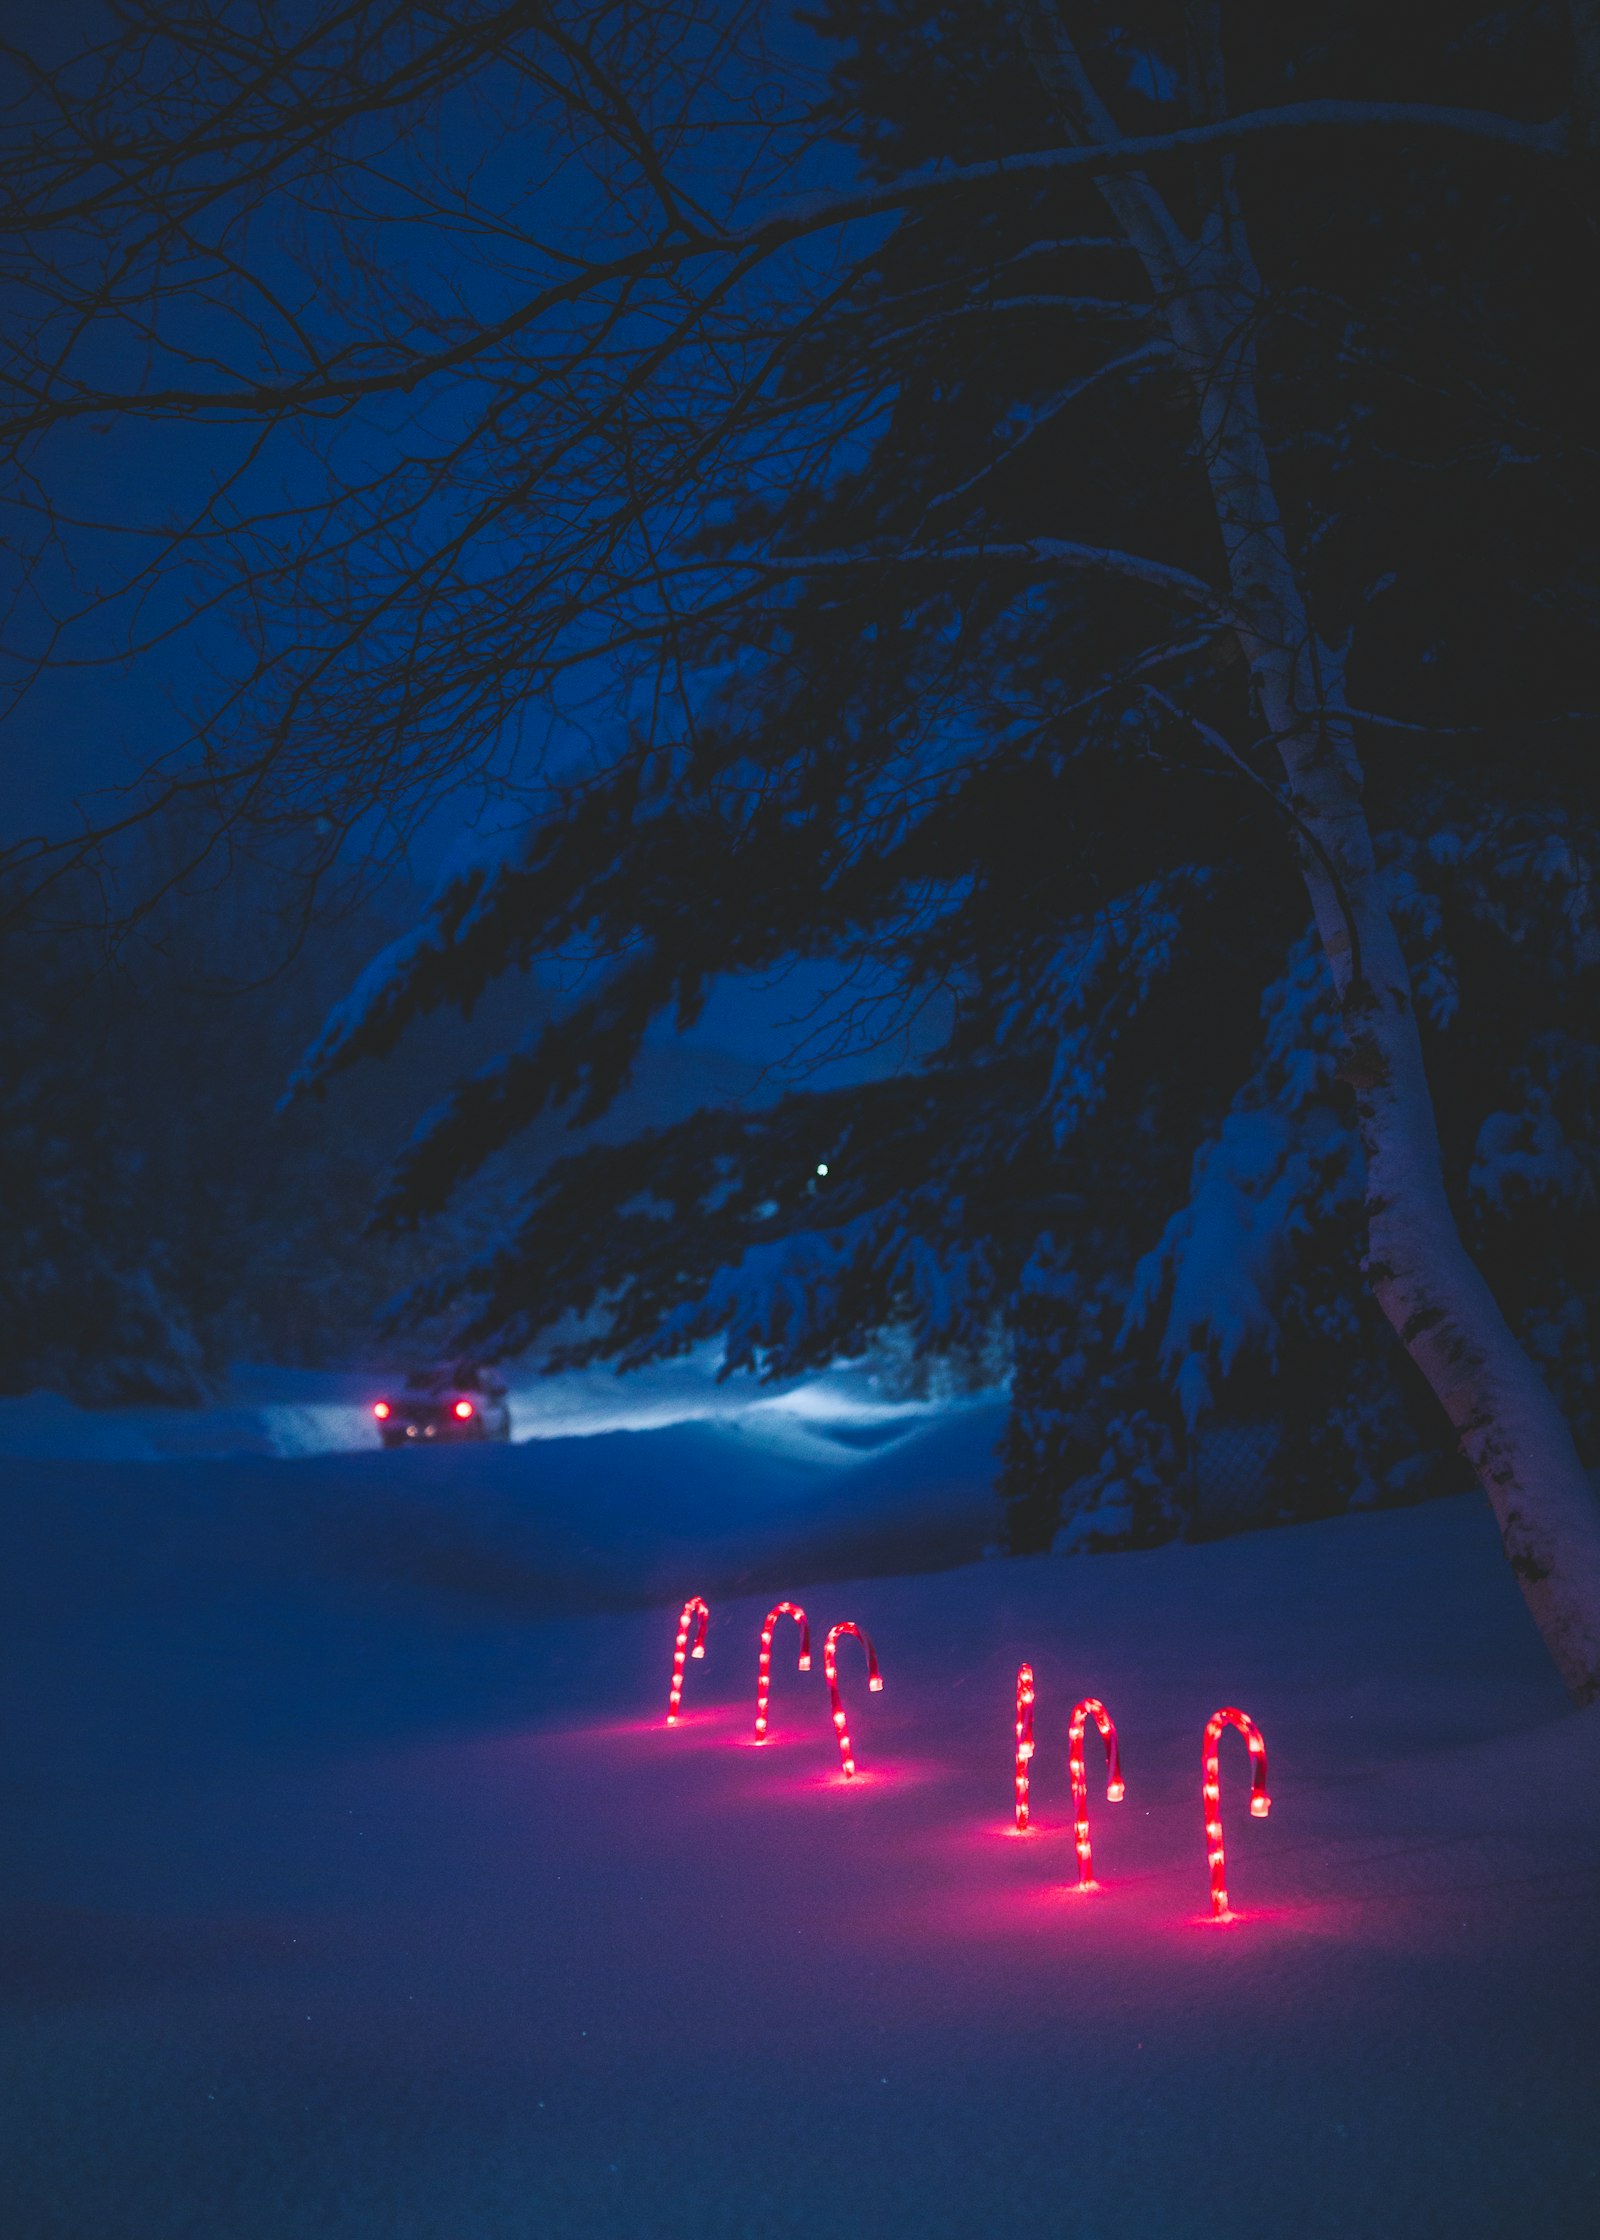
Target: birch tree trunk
1426 1282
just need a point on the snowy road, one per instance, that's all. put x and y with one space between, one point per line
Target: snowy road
341 1900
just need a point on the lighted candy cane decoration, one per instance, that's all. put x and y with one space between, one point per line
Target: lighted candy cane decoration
830 1665
694 1606
1260 1802
1024 1738
764 1670
1091 1708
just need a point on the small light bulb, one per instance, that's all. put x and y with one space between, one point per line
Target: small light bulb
822 1166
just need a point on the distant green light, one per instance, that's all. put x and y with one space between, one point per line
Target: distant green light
822 1166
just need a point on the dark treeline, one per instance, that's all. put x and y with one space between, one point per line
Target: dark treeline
159 1218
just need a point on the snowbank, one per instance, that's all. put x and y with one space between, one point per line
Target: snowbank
558 1524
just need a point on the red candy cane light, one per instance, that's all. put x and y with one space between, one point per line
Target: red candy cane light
830 1665
1260 1802
1091 1708
1024 1739
693 1608
764 1669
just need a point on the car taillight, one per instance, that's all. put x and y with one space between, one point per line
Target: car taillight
380 1409
463 1409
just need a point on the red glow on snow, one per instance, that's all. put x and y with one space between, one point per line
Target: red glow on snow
1091 1708
380 1409
1233 1919
463 1409
830 1666
897 1776
693 1608
764 1669
1024 1740
1211 1794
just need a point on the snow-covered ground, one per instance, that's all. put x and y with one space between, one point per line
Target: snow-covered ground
351 1886
290 1412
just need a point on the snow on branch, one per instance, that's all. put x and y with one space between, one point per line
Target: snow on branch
1091 988
780 1306
1282 1162
373 1011
1544 1145
583 1059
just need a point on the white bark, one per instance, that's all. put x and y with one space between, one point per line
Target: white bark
1433 1294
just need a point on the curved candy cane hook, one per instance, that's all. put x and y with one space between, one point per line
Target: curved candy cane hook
1091 1708
1024 1738
692 1608
830 1665
764 1670
1211 1791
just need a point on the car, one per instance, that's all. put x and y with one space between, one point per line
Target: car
444 1406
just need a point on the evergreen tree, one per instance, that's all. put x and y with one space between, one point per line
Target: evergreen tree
89 1301
157 1221
1157 502
1041 780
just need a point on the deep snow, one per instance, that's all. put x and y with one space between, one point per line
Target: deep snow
353 1887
